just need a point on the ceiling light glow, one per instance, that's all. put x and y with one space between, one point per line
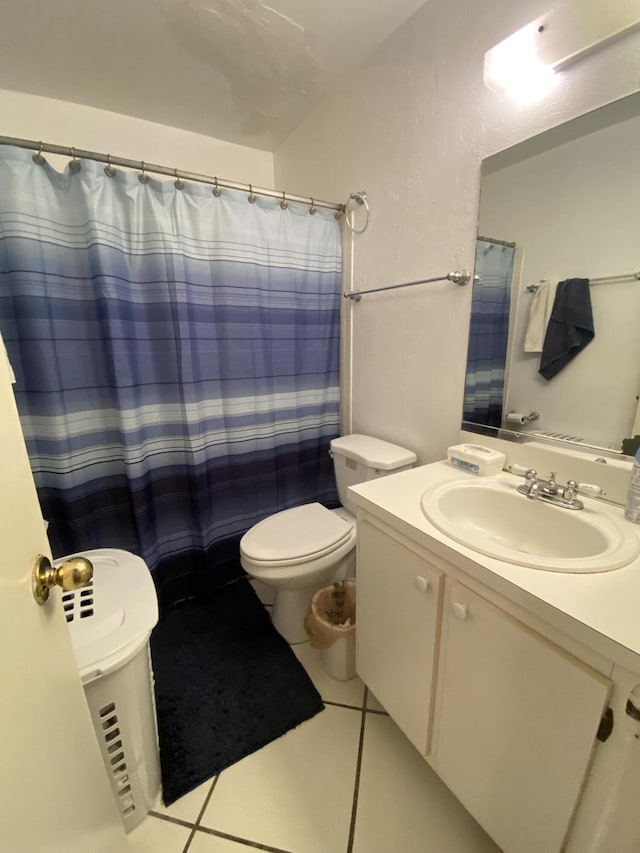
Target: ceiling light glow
513 66
525 64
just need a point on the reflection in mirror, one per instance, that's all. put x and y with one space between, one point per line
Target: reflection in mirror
489 331
563 205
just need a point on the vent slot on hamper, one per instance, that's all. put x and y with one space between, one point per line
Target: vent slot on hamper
78 604
117 759
123 714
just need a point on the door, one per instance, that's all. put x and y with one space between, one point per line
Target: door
397 630
54 793
516 723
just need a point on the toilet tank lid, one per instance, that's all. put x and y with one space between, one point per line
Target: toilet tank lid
372 451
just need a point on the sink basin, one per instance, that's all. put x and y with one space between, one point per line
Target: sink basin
494 519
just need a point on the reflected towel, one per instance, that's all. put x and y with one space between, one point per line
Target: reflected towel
539 314
570 326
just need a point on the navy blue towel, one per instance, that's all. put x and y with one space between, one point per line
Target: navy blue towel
570 326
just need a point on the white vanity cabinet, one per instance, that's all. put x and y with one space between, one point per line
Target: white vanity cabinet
398 623
515 723
505 717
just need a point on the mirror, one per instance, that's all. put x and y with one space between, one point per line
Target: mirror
560 206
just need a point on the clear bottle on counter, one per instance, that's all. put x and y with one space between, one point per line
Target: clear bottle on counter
632 508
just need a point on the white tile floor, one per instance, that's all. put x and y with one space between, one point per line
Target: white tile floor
346 781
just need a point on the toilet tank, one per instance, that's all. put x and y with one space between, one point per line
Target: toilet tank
358 458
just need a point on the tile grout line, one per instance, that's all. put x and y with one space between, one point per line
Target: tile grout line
197 827
246 842
203 808
356 786
348 707
169 819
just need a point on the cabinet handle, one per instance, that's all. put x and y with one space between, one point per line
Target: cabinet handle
460 611
423 584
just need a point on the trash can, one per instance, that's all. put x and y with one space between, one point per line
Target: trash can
331 625
110 622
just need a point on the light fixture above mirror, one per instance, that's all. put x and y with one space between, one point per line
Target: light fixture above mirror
525 64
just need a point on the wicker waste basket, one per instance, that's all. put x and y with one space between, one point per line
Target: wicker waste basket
331 625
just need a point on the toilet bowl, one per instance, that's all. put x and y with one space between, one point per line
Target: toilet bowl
299 550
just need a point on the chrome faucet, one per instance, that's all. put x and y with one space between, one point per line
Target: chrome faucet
551 491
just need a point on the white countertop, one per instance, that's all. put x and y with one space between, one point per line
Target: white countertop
606 603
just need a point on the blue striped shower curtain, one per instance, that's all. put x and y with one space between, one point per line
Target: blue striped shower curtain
176 357
488 334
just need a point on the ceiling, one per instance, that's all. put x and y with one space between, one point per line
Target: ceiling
246 71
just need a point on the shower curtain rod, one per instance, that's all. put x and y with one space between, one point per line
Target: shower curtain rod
531 288
497 242
216 183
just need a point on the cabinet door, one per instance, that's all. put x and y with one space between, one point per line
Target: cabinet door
397 628
515 724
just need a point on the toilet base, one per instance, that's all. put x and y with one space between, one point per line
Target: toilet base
288 612
290 605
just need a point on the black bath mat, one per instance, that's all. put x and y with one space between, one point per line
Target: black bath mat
226 684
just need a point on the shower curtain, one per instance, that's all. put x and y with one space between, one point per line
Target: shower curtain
176 356
488 334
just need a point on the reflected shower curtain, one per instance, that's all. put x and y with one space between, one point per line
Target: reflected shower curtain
488 334
176 357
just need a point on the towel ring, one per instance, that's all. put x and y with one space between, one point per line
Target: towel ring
361 199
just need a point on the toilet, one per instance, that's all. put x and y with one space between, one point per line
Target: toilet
298 551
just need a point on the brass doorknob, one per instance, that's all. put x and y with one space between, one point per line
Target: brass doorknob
72 574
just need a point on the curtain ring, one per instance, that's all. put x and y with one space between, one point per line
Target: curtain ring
143 177
37 157
74 165
216 190
108 169
178 184
313 209
284 204
251 198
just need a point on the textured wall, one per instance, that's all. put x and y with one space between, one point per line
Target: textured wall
411 128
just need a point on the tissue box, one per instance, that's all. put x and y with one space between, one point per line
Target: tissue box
476 459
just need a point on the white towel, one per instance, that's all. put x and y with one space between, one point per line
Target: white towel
539 313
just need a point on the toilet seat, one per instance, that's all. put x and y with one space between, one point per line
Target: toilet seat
296 536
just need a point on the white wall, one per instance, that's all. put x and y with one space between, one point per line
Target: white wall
411 128
574 212
62 123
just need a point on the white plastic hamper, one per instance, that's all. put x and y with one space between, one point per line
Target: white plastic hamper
110 621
